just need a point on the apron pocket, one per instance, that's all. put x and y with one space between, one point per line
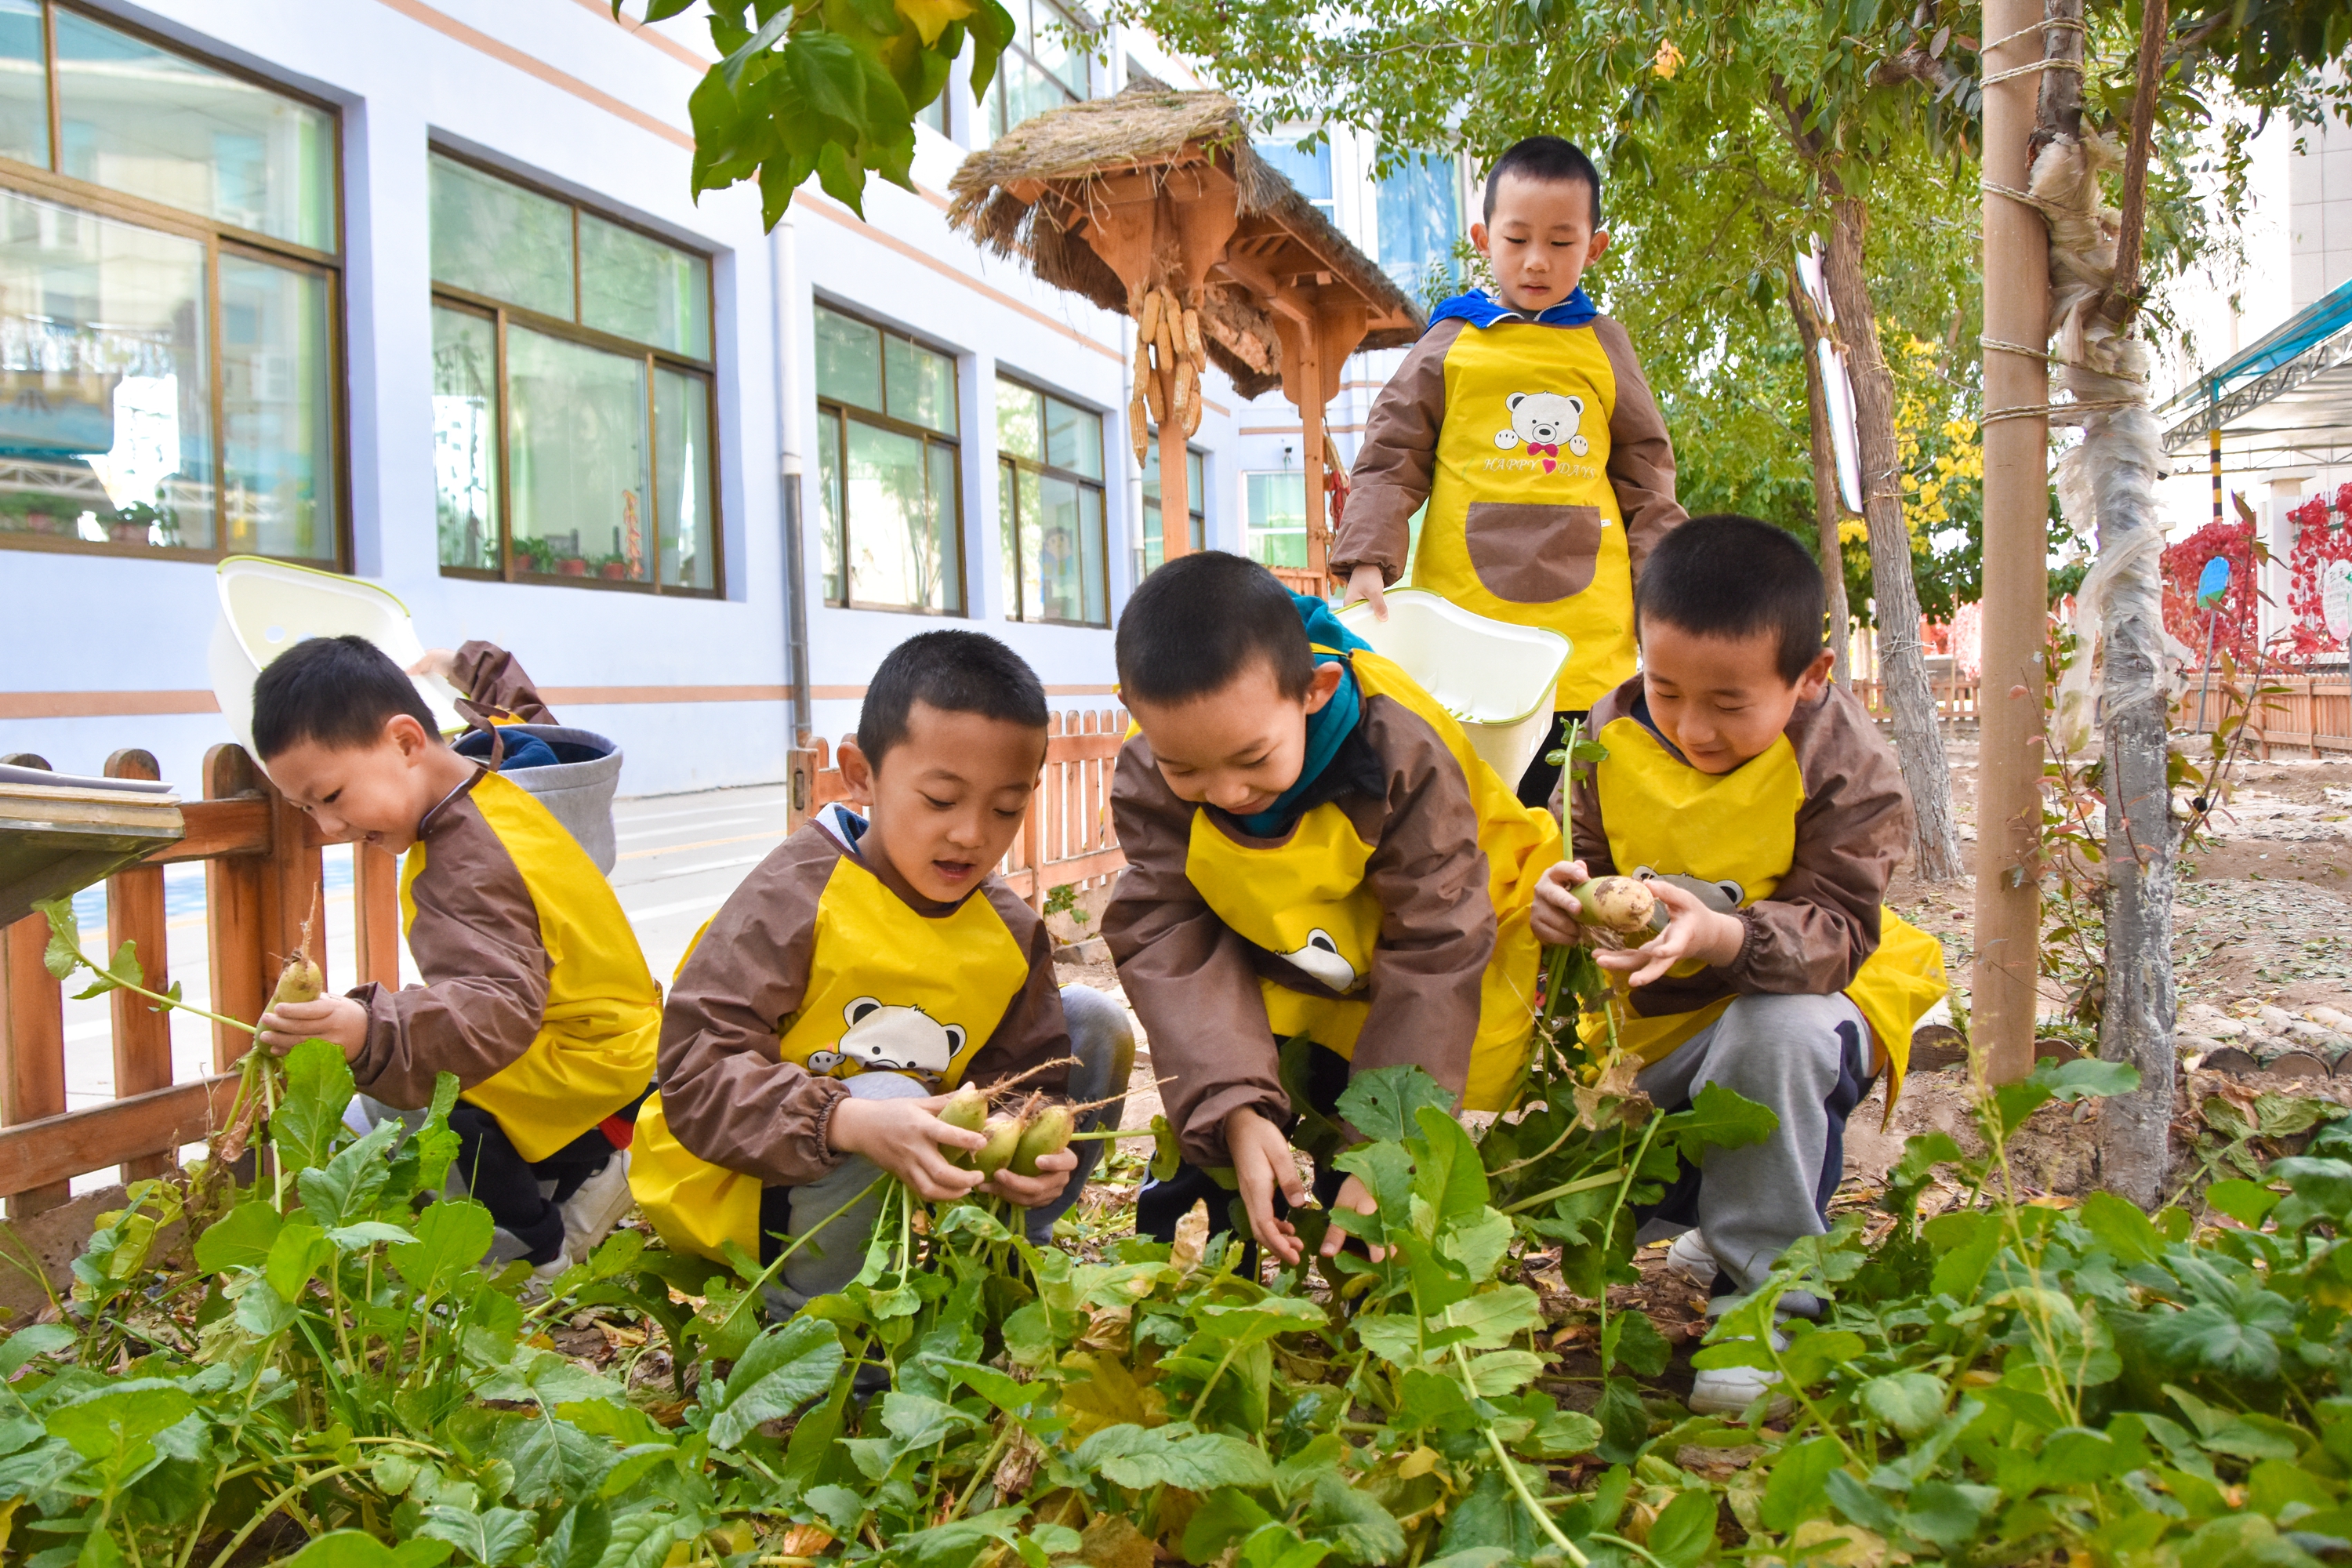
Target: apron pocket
1527 553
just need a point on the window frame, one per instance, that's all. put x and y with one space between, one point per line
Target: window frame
881 419
1100 486
50 184
501 315
1070 15
1293 480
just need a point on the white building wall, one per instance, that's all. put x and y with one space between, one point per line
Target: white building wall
106 651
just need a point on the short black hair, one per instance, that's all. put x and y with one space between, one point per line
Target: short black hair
338 692
1548 160
955 672
1730 576
1198 622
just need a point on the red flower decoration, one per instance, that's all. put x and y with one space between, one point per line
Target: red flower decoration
2185 562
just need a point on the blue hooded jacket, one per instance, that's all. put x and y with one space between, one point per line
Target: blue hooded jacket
1475 307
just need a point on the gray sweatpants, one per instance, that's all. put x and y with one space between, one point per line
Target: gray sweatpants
1102 1039
1806 1059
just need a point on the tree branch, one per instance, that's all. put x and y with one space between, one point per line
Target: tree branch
2122 296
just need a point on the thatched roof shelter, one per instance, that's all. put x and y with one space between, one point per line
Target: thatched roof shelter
1030 193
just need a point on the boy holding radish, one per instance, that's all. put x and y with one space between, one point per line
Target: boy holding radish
870 964
535 994
1766 814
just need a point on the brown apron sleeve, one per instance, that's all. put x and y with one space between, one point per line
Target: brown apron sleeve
725 1092
1641 453
1397 461
1437 921
1186 973
1034 1030
476 942
491 677
1811 935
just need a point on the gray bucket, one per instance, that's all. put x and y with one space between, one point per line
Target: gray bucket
577 788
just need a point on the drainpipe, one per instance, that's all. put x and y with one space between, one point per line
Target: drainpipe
784 270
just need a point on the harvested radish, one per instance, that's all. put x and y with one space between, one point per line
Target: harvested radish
301 980
1004 1134
1621 904
1048 1133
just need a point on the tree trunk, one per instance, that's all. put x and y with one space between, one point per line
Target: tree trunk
1829 510
1903 665
2095 289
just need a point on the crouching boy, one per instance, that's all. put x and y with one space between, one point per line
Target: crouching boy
1312 848
535 992
1766 815
870 962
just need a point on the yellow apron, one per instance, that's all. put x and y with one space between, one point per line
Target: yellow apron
594 1050
1305 898
1523 524
888 990
1736 832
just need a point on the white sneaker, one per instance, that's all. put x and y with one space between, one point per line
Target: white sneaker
548 1272
1729 1390
591 1213
1690 1258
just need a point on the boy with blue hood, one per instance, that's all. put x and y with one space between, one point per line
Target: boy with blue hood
1312 848
1525 425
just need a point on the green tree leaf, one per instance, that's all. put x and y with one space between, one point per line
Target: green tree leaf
2243 1201
580 1537
357 1549
296 1255
1683 1535
783 1369
1365 1531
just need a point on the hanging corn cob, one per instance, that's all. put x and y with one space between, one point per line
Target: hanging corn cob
1170 360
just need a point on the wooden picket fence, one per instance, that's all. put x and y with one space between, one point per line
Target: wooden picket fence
1068 838
262 869
2315 712
1955 700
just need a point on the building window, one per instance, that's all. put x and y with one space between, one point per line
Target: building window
1049 486
572 393
1277 518
1043 69
1155 546
169 300
1417 208
1307 168
887 470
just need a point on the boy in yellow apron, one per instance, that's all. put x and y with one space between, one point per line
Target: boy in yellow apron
535 994
1768 814
1524 424
873 961
1313 848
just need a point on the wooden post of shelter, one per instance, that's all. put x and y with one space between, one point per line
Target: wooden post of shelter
1153 197
2016 545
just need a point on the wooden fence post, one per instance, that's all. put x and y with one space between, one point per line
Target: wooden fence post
375 903
143 1032
32 1032
234 903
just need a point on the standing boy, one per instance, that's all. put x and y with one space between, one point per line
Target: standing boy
869 964
1526 427
535 992
1312 848
1767 814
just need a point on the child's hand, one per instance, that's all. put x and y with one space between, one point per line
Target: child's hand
904 1137
1034 1192
438 664
1366 583
336 1018
1553 918
1353 1195
1693 931
1262 1165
